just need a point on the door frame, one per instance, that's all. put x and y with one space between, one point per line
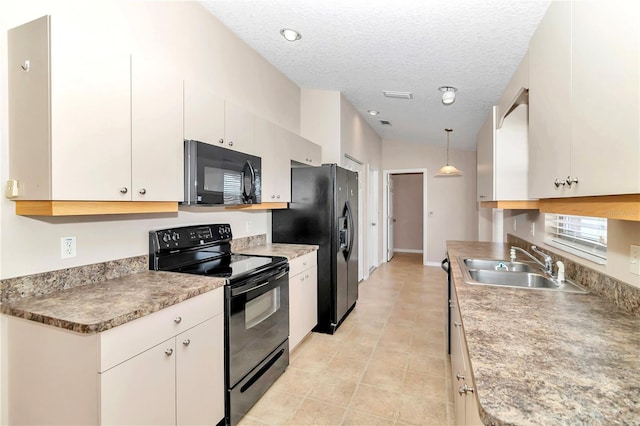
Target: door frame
373 214
385 201
361 169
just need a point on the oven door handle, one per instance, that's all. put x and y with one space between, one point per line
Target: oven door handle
252 287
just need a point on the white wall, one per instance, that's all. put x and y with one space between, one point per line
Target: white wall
621 235
451 199
31 245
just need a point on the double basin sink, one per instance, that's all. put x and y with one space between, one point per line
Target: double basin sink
505 273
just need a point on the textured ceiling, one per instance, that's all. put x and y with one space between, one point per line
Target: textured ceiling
361 48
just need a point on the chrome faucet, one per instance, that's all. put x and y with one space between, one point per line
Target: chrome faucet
548 262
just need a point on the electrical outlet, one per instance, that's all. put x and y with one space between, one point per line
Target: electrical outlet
533 229
68 247
248 226
634 264
515 224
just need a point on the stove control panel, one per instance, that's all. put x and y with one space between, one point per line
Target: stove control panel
189 236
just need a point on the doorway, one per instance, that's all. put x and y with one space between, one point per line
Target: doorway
388 211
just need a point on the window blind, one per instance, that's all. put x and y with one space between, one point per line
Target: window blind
581 235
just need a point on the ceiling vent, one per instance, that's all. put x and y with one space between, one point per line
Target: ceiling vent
385 123
398 95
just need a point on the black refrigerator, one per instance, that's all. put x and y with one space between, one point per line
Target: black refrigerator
324 211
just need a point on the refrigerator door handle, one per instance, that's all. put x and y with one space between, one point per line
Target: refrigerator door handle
351 229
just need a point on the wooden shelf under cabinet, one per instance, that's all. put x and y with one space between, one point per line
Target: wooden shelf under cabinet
620 207
263 206
511 205
82 208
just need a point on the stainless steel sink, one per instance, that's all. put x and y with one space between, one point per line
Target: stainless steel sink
529 276
500 265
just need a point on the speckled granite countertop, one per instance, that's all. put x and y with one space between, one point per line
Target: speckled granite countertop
98 307
541 357
290 251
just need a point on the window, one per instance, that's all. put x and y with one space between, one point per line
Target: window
581 235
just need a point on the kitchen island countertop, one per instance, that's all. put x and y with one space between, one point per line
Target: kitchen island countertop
542 357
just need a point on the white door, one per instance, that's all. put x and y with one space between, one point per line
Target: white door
390 218
373 219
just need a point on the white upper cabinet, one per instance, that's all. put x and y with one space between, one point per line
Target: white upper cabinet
550 102
211 119
605 120
87 125
485 157
272 144
304 151
203 114
502 157
156 131
69 115
583 98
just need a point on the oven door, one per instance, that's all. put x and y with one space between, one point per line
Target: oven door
257 320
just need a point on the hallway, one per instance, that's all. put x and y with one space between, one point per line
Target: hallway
386 365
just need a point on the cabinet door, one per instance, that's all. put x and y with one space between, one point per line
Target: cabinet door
200 374
238 129
271 147
141 390
309 299
550 102
203 113
156 131
90 118
485 163
605 149
517 86
296 327
314 151
457 365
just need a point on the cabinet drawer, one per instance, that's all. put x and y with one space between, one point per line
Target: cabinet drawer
121 343
301 263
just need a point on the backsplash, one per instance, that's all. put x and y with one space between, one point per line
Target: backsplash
251 241
623 295
13 289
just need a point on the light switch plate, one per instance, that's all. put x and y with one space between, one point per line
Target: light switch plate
634 262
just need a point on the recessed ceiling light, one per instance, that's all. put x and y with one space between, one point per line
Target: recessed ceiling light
448 94
400 95
373 112
290 35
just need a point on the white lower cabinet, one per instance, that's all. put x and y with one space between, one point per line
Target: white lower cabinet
166 368
303 297
464 397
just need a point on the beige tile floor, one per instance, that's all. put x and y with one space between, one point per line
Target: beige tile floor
386 365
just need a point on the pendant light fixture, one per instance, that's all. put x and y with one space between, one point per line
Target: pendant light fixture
448 170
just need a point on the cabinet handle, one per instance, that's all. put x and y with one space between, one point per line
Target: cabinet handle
169 352
273 196
559 182
301 279
459 376
307 276
221 140
230 143
457 324
186 342
178 320
278 196
483 196
124 190
142 191
462 390
571 181
26 65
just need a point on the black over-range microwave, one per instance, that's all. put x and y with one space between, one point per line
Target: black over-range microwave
219 176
